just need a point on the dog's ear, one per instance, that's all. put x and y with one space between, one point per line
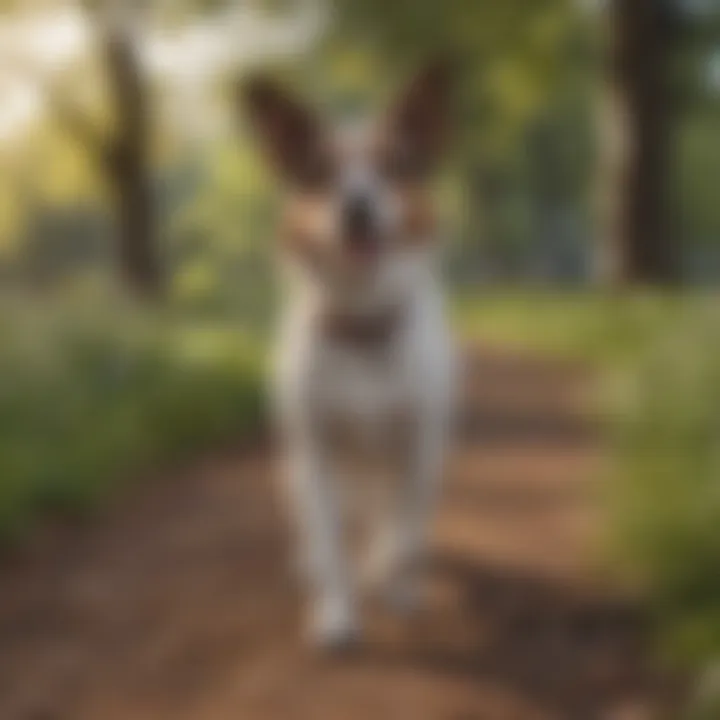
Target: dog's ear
290 133
420 119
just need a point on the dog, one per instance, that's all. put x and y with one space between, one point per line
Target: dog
364 367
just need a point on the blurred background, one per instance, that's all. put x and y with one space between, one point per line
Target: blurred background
585 149
582 225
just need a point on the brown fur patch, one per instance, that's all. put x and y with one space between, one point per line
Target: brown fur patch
302 227
301 231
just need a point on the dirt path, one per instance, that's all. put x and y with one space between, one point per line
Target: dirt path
176 603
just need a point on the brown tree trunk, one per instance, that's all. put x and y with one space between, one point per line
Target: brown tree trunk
641 245
129 168
136 234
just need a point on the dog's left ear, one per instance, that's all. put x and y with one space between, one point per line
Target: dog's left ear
420 120
289 133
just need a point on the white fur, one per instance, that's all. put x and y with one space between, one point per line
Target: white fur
321 385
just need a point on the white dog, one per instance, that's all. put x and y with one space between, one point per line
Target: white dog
364 359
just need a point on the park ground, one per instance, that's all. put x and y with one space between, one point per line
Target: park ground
174 601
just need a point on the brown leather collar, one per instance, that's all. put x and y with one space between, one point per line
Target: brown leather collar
362 331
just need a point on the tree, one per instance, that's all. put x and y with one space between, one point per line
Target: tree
125 156
641 245
122 153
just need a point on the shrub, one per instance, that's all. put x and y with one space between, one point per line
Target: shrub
87 398
665 492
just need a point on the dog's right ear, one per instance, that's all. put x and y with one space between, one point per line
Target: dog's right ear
421 118
289 133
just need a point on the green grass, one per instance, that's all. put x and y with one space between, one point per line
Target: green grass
665 490
596 327
89 397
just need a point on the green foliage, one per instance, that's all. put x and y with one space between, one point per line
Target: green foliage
699 175
605 329
89 398
665 496
509 54
222 237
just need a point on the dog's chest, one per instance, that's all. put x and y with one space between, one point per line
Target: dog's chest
352 393
362 387
368 385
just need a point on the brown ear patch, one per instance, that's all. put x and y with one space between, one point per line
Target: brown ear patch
419 122
302 227
290 134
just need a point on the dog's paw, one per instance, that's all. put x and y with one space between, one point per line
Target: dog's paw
333 628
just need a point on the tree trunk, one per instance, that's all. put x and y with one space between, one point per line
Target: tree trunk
129 167
136 236
641 246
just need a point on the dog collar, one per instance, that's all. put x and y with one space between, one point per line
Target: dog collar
362 330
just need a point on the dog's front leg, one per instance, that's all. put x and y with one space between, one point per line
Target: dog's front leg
332 621
422 474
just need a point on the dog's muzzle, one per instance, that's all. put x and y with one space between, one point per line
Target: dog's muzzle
360 227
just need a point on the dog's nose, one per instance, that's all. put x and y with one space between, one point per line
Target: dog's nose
357 217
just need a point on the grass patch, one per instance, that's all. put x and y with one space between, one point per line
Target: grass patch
664 497
596 327
88 397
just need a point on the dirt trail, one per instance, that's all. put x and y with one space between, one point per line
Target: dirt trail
176 603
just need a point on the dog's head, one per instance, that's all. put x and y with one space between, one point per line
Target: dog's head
354 196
